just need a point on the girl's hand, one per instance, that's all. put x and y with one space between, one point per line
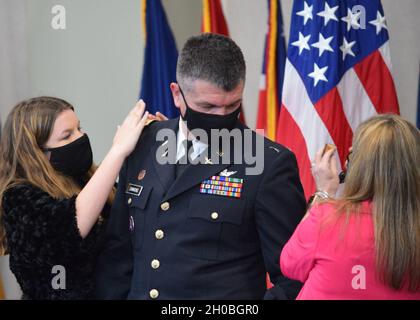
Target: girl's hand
129 132
325 172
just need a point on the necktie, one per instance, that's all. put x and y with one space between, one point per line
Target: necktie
184 162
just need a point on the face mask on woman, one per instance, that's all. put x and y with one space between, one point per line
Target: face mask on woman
73 159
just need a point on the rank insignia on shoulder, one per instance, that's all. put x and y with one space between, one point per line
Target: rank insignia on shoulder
222 186
134 189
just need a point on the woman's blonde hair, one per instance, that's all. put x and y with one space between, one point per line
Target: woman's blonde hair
384 167
25 133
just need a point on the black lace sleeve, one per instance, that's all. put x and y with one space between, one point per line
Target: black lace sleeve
40 227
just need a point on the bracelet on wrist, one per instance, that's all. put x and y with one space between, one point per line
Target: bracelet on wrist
319 194
322 194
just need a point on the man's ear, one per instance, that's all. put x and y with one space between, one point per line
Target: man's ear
176 94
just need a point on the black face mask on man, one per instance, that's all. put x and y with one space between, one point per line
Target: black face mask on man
206 122
73 159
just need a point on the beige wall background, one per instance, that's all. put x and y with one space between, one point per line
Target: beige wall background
96 63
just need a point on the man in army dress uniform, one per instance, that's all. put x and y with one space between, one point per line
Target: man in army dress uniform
211 230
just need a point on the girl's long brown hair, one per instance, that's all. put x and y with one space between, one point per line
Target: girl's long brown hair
385 168
22 159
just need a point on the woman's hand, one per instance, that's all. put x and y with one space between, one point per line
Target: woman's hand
325 172
129 132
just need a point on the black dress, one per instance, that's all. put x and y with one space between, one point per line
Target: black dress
42 233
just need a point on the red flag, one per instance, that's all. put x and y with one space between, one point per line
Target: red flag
213 18
214 21
271 82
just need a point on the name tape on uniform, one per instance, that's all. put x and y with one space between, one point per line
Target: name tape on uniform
134 189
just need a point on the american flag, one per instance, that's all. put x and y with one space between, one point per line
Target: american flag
338 74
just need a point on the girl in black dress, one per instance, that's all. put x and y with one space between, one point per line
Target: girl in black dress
52 196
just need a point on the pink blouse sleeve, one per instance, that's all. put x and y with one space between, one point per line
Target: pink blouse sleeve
298 256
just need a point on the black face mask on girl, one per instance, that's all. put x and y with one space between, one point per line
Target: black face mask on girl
73 159
206 122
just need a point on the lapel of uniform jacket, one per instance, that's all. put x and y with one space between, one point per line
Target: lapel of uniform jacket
195 174
165 172
192 176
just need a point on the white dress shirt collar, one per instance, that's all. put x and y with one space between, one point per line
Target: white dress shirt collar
198 146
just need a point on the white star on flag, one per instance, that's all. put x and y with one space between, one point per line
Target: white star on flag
328 13
306 13
352 19
379 23
302 43
346 48
323 44
318 74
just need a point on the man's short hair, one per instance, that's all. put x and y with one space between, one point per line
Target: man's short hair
213 58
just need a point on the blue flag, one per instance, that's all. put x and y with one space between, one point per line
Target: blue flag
160 59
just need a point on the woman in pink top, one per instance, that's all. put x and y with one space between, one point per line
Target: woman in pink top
366 244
